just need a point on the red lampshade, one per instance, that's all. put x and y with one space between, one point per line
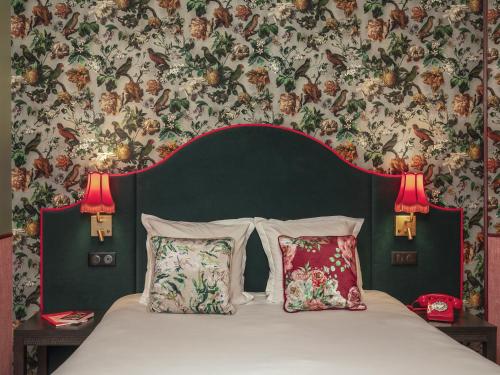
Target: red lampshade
98 198
411 197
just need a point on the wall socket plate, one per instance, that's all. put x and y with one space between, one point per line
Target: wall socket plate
102 259
404 258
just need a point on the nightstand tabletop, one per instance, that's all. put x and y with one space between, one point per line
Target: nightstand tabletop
469 328
463 319
37 331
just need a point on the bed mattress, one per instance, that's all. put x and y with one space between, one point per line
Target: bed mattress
263 339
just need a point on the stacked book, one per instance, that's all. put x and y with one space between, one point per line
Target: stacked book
68 318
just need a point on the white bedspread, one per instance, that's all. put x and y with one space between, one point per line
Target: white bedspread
263 339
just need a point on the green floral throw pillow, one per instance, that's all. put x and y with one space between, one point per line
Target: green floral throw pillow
191 275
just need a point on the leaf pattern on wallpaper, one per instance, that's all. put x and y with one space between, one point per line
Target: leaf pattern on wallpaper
493 132
119 84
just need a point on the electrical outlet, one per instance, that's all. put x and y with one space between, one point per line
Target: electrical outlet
102 259
404 258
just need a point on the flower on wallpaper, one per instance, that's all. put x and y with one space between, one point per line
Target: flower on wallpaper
119 84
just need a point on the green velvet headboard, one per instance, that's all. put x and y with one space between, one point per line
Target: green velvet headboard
247 171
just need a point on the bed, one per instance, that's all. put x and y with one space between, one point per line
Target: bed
256 171
263 339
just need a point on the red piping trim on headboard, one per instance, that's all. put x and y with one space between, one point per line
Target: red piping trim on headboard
213 131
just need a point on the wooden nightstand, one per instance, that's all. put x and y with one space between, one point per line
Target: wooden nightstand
36 331
468 328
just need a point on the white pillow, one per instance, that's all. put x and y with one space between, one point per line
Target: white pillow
270 229
237 229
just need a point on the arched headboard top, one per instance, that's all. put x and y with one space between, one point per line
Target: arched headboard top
249 171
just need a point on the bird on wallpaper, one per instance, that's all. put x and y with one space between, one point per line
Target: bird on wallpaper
146 149
33 144
302 70
338 61
122 71
473 281
429 171
208 56
70 27
388 61
56 72
161 103
159 59
494 135
471 131
29 56
338 103
424 135
122 134
72 177
389 145
69 135
250 27
476 219
28 207
411 75
426 28
237 73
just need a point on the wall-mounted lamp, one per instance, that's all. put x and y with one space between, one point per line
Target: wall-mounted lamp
411 199
98 201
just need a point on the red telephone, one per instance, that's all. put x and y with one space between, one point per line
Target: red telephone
439 306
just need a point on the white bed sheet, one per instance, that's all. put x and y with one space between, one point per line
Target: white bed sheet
263 339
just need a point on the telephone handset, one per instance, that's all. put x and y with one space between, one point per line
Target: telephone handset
440 307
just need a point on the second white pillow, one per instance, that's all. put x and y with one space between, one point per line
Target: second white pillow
270 229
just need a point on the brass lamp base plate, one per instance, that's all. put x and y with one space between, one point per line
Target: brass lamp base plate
105 225
402 223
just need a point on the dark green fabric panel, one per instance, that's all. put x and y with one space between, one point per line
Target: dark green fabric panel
68 281
253 171
437 244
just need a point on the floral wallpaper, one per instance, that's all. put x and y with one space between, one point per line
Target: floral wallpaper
493 103
119 84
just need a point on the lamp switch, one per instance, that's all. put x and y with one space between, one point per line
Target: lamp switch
404 258
102 259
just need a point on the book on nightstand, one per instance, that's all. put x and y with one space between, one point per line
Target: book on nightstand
67 318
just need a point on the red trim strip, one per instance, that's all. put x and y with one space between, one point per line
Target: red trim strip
214 131
461 253
41 255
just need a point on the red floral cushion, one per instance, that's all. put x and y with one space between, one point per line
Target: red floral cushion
319 273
